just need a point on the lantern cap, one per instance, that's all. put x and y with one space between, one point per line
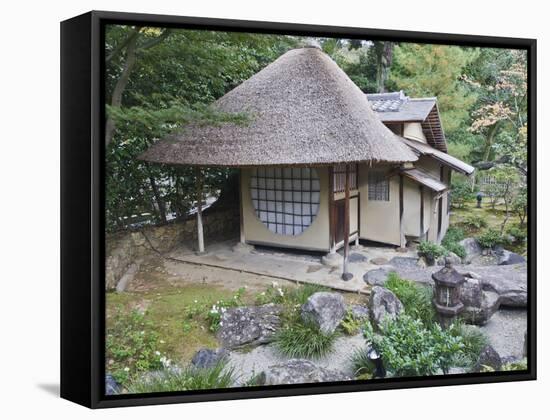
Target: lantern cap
448 276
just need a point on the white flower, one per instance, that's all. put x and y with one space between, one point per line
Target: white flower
263 293
157 353
281 293
126 369
162 341
274 284
196 301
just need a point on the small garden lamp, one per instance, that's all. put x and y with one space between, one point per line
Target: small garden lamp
447 293
376 359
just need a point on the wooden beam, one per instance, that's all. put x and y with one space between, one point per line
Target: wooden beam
422 213
241 216
345 274
200 232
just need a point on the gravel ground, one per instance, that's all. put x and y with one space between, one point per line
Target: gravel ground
249 364
505 331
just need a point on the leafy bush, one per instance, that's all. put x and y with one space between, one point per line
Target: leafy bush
363 367
473 340
474 222
520 205
131 346
189 379
519 234
350 324
303 339
451 241
408 348
460 193
416 299
490 238
431 251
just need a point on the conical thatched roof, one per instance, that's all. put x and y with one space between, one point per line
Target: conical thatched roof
302 110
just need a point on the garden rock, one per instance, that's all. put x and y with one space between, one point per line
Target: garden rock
359 312
403 262
298 371
472 248
324 309
479 315
379 261
112 387
509 281
208 358
249 325
510 258
355 257
383 304
488 357
332 259
378 276
455 259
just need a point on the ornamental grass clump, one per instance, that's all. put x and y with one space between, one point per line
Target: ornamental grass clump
416 299
302 339
474 341
188 379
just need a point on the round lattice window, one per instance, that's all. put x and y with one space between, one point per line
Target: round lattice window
286 200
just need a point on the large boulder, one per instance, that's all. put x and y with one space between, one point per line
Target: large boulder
378 276
251 325
479 304
455 259
207 358
510 258
112 387
298 371
359 312
472 248
488 358
383 304
324 309
508 281
404 262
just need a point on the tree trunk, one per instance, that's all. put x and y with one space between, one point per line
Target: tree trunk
116 98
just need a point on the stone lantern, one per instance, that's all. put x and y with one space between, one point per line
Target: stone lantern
447 293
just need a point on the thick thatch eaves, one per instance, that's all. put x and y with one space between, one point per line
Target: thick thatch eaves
302 109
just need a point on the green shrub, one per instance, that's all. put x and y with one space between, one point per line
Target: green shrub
474 222
408 348
416 299
460 193
519 365
474 341
189 379
363 367
431 251
519 234
451 241
131 346
350 324
215 313
490 238
300 339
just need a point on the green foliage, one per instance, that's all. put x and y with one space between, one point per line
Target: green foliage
301 339
474 222
519 233
461 192
363 367
131 346
490 238
519 365
520 205
212 312
473 340
416 299
427 70
188 379
451 241
409 348
431 251
288 296
350 324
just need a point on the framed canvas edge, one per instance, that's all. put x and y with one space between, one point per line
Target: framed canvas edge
95 305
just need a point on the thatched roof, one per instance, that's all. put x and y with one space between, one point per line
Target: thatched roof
302 110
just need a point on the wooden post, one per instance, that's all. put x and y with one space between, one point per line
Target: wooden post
422 213
345 274
242 238
200 233
331 215
401 211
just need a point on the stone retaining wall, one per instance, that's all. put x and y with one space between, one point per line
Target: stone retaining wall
126 248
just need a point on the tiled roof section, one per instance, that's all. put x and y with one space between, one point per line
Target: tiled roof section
387 102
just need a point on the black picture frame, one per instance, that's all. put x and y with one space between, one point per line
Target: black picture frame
82 209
